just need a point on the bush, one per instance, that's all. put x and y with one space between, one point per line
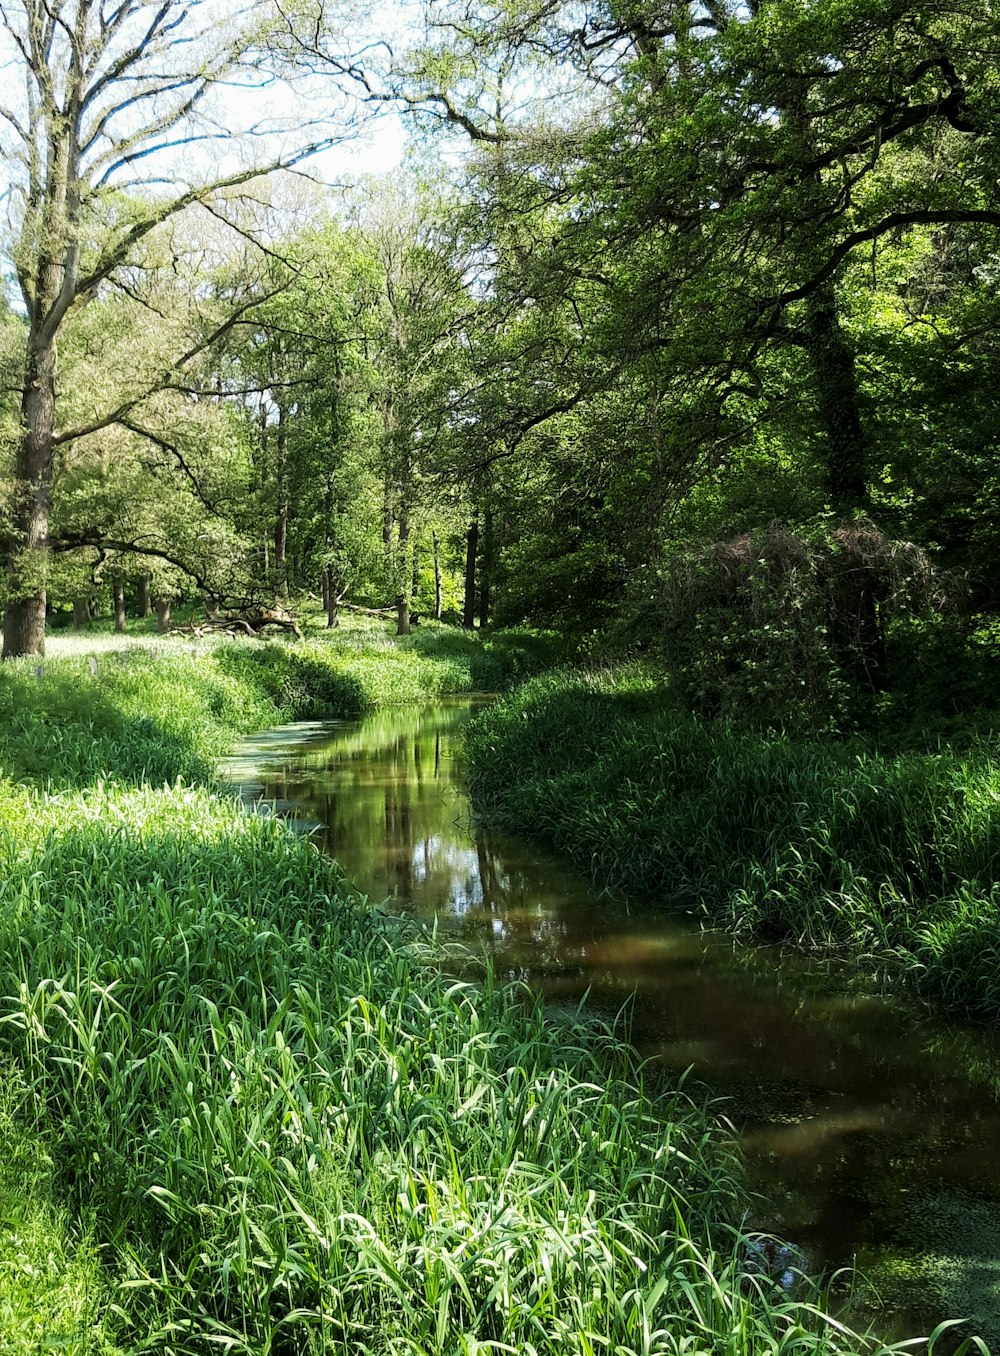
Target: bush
778 628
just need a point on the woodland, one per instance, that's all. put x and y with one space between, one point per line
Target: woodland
671 311
655 387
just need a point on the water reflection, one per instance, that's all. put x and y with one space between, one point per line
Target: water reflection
859 1116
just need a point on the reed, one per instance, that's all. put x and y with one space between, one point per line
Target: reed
259 1119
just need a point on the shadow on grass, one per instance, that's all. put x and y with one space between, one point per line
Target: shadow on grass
135 718
65 741
300 686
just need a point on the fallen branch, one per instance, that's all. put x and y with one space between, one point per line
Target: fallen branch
369 611
251 624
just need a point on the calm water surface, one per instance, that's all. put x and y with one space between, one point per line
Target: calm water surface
870 1130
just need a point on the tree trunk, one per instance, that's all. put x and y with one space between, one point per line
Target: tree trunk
118 593
281 507
471 547
403 596
264 547
331 600
438 593
836 382
163 615
486 571
145 603
81 612
27 543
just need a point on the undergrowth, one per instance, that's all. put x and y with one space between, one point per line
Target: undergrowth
828 843
157 712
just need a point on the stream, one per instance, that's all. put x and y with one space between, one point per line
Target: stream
870 1129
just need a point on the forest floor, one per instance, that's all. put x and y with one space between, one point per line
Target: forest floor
240 1109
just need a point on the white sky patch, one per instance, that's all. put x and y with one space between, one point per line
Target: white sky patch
244 120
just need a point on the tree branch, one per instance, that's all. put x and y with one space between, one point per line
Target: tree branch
941 217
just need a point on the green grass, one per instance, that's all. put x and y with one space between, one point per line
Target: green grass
53 1290
826 843
249 1115
153 712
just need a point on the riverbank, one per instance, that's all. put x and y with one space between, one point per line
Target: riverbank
244 1111
892 857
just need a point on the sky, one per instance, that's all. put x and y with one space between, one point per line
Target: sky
377 150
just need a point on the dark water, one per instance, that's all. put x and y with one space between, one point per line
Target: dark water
870 1130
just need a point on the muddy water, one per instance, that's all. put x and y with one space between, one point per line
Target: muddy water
870 1130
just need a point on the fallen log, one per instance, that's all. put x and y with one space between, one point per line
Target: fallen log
369 611
251 624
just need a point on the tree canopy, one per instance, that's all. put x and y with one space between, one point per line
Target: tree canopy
655 276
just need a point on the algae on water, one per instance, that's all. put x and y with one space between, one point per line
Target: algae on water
961 1276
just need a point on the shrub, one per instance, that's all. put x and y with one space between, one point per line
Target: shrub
777 628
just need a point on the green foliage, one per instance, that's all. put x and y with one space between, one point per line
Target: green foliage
828 844
496 661
53 1291
318 679
298 1133
160 717
943 677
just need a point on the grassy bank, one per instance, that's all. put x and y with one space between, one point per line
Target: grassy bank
242 1113
830 844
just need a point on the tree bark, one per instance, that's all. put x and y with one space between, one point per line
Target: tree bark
281 507
331 583
438 592
331 599
835 377
471 548
264 548
403 596
163 615
145 607
27 543
118 594
486 571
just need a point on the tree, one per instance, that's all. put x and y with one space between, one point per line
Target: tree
416 366
692 229
110 91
